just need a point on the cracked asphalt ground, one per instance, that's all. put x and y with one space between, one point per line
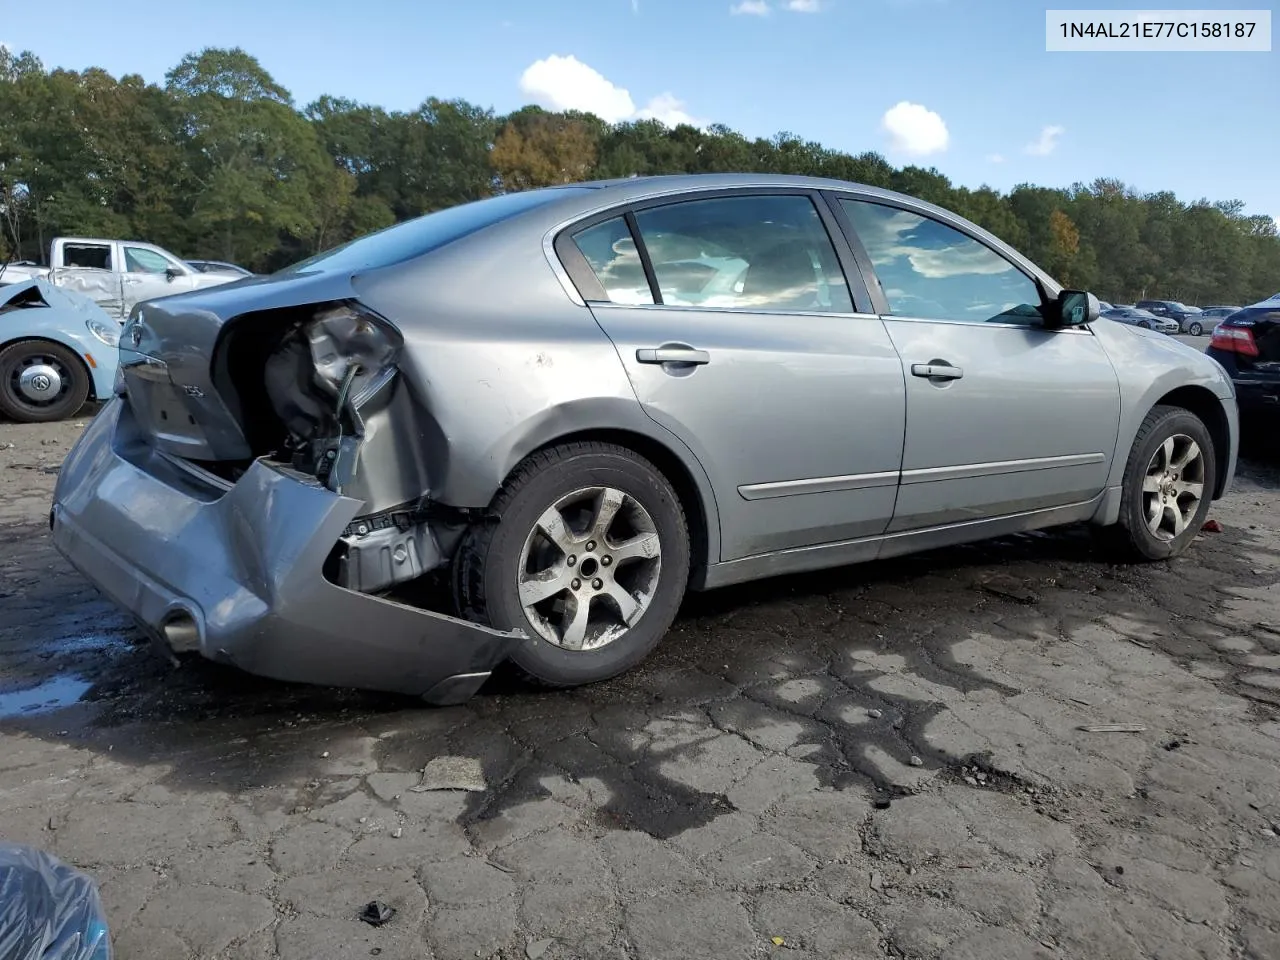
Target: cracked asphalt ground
884 760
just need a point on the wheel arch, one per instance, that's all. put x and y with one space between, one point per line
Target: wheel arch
683 472
1208 408
65 344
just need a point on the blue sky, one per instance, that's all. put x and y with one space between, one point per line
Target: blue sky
846 73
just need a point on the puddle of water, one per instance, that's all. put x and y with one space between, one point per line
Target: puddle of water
51 695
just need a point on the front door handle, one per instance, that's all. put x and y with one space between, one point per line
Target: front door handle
936 371
672 355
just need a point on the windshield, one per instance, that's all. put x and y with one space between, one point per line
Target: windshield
423 234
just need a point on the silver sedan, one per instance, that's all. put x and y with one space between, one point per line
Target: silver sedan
1142 318
569 406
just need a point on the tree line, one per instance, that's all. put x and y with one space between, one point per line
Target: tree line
219 162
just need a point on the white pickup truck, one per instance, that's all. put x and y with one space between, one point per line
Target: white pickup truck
116 274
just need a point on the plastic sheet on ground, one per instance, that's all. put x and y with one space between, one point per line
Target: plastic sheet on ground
48 910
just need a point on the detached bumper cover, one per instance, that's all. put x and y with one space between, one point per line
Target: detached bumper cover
244 565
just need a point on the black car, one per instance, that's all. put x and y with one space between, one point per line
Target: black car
1247 344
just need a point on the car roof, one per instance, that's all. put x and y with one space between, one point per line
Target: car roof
634 188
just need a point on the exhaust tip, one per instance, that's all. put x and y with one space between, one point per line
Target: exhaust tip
181 633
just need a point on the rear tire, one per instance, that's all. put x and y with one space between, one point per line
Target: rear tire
1167 487
1195 328
30 367
588 554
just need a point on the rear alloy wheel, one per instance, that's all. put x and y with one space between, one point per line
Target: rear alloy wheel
1195 328
589 556
1145 324
1168 484
41 381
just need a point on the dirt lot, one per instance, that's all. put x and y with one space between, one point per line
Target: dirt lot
879 761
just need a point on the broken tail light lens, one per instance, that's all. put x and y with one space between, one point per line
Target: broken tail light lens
350 348
1234 340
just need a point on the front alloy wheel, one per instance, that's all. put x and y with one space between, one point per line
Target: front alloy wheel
1173 487
1168 485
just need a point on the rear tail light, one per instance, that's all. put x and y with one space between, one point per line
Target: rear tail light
1234 340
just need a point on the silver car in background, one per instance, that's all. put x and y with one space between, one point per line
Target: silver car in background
568 406
1142 318
1212 316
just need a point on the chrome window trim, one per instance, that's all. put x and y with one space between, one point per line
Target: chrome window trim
987 325
732 311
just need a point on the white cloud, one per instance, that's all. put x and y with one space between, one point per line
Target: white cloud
669 109
566 83
995 158
1047 142
804 6
635 6
915 130
750 8
957 261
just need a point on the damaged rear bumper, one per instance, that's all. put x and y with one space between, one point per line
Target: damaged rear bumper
236 574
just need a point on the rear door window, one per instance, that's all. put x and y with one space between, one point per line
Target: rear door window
750 252
91 256
611 252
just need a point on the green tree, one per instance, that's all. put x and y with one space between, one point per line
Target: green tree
257 168
219 161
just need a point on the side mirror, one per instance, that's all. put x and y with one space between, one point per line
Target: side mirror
1074 308
173 273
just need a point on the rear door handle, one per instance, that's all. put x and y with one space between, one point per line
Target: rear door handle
936 371
672 355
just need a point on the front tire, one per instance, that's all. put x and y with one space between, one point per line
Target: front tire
1168 485
589 555
1195 328
41 381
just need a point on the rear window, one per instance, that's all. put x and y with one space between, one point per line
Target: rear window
90 256
415 237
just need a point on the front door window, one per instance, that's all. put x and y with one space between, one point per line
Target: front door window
931 271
